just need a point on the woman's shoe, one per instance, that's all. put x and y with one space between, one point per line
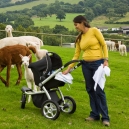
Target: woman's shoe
106 123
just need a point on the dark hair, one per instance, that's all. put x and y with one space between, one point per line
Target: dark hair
80 19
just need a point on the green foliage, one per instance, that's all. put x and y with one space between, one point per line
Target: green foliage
60 15
24 21
2 27
59 29
89 14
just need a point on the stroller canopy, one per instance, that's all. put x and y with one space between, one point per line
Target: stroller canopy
47 64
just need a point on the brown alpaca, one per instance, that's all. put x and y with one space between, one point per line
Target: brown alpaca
10 55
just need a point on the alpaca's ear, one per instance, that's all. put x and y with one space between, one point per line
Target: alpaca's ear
29 56
20 55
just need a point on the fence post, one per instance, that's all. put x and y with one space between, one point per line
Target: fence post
61 40
42 37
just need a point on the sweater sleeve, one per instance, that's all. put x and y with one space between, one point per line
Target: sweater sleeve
76 54
102 42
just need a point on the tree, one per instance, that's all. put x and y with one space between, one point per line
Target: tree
60 15
2 34
97 9
3 18
59 29
121 9
89 14
40 14
24 21
110 13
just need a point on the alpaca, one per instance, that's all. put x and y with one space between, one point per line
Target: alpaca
122 49
9 30
39 53
10 41
28 74
12 57
110 45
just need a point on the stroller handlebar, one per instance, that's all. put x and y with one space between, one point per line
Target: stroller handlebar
70 62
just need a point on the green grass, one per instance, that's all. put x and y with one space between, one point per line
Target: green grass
116 88
68 21
100 22
52 21
34 3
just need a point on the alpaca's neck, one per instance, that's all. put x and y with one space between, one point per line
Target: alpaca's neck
9 34
26 68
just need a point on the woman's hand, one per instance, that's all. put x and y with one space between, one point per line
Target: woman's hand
66 71
105 63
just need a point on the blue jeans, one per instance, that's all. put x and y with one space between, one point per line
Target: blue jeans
97 98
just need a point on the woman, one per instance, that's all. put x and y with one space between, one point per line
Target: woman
92 43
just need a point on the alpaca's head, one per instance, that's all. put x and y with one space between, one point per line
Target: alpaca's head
9 29
25 59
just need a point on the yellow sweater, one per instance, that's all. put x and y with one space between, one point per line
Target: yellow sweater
92 44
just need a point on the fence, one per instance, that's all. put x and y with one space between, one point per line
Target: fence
41 36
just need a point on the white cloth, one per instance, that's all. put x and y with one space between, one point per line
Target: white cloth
67 78
99 76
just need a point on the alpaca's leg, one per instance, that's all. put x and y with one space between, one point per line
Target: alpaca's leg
1 69
125 53
19 73
8 74
34 86
29 86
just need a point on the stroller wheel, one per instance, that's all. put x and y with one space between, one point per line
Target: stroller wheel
23 101
69 106
50 109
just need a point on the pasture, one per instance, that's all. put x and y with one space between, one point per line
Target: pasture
33 3
116 88
68 21
52 21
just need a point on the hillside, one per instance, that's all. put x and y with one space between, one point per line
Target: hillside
67 22
100 21
34 3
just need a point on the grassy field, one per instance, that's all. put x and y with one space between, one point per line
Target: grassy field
100 21
116 88
67 22
52 21
34 3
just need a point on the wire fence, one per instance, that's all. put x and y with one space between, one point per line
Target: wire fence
61 37
40 35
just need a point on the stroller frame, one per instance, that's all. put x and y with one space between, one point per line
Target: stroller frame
51 100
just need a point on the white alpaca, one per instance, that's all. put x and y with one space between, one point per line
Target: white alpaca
122 49
110 45
10 41
28 74
9 30
39 53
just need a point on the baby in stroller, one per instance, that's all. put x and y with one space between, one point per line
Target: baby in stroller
49 98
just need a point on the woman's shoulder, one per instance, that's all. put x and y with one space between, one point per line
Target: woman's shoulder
94 28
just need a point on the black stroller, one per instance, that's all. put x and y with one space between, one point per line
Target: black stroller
49 98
